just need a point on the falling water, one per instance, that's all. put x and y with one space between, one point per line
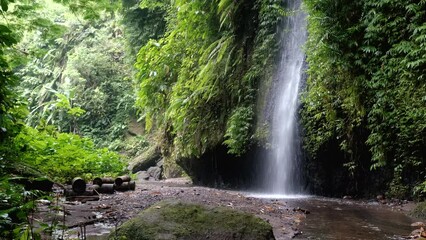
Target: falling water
282 173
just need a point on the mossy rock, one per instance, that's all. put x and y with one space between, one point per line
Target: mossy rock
31 178
147 159
419 211
178 220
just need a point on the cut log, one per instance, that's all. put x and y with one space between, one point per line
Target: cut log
126 186
120 180
99 181
90 191
78 185
106 188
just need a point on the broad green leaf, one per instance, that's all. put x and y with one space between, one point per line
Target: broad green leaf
4 5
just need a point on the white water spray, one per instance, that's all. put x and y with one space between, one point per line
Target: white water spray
282 173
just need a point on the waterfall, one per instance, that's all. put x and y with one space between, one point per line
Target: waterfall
281 173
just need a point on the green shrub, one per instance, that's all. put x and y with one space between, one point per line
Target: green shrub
238 132
63 156
419 211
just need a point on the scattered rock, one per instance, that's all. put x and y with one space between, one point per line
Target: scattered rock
178 220
419 233
160 163
416 232
142 175
148 159
103 206
298 209
380 197
83 199
418 224
297 233
155 172
43 201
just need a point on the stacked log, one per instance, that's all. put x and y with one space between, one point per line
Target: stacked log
122 179
109 185
80 191
78 185
126 186
106 188
124 183
99 181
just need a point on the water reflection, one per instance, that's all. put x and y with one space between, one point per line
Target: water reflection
341 219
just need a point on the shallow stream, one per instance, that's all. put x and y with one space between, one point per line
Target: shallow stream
327 219
343 219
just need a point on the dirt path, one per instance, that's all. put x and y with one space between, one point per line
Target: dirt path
100 217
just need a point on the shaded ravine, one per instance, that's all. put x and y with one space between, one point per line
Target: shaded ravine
281 172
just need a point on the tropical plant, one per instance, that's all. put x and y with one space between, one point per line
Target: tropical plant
77 78
205 70
63 156
23 148
366 85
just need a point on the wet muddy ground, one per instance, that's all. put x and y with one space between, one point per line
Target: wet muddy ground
305 218
98 218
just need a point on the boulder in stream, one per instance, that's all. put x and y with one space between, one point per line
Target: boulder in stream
179 220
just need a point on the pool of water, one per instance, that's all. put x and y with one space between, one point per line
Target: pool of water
342 219
277 196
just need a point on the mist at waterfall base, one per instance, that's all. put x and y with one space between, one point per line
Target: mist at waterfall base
281 173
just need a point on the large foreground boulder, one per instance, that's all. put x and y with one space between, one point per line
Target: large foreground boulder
178 220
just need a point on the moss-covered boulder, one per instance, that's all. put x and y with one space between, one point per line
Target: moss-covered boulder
178 220
419 211
147 159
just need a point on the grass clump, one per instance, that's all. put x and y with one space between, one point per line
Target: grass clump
419 211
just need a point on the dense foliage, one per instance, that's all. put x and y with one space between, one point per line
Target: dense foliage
76 79
142 23
71 74
201 70
63 156
366 87
33 52
198 84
